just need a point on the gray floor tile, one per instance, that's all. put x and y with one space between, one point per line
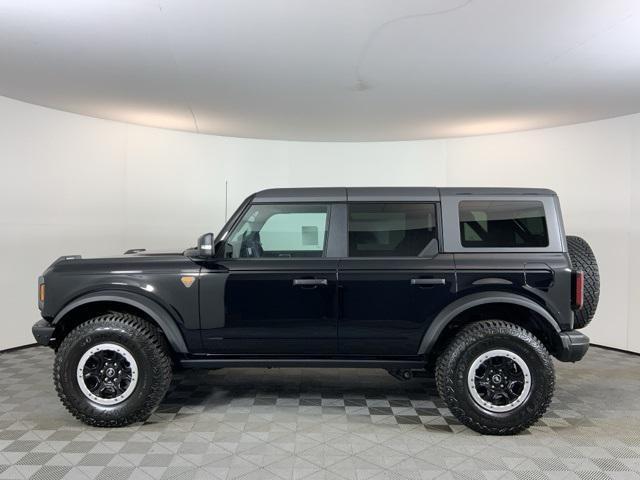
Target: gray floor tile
321 424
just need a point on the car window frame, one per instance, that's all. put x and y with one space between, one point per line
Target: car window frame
230 231
540 205
437 219
451 224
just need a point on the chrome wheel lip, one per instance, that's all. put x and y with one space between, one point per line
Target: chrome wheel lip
482 403
113 348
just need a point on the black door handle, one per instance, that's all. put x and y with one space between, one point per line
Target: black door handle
428 281
309 282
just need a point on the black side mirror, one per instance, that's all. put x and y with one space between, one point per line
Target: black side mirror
205 245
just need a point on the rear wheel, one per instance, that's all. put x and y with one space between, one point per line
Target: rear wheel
496 377
112 370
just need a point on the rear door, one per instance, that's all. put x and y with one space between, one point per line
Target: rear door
394 279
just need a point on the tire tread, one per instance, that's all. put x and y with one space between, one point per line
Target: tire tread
144 332
471 333
583 258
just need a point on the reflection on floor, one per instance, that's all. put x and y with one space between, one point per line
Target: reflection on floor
314 423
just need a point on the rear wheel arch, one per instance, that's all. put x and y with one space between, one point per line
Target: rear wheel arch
504 306
86 307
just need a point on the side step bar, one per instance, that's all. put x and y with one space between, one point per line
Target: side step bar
299 362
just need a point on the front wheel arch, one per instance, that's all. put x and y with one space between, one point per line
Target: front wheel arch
88 306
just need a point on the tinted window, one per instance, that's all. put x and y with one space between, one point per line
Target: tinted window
390 229
279 231
503 224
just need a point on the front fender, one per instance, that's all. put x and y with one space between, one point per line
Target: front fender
162 317
457 307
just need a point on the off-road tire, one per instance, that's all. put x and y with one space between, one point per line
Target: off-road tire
582 258
452 368
149 349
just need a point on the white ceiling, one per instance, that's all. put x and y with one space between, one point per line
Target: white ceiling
326 69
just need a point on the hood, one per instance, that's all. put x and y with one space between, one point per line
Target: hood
145 252
136 262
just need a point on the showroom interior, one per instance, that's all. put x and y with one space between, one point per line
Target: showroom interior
145 124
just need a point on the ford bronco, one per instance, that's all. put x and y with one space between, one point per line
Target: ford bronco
479 286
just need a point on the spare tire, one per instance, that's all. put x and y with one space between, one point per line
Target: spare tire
582 258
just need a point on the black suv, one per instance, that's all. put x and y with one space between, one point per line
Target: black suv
479 286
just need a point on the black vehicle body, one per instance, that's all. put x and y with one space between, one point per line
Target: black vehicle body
330 310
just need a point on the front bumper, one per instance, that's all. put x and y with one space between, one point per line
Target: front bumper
42 331
574 345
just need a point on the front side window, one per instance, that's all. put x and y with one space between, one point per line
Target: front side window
503 224
279 231
391 229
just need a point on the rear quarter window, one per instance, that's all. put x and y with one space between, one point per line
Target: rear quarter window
503 224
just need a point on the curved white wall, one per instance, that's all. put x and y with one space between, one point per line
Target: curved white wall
72 184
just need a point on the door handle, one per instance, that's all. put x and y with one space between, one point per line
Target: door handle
428 281
309 282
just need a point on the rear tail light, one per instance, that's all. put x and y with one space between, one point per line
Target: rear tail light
577 290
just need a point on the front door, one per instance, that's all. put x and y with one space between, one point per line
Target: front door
394 281
272 290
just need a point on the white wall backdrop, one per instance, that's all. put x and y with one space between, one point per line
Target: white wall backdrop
71 184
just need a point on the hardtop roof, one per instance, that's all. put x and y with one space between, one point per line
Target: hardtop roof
396 194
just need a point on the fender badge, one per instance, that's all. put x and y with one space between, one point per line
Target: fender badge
187 281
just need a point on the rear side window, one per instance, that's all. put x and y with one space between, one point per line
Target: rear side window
503 224
391 229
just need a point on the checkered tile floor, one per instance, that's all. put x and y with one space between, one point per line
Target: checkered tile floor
320 424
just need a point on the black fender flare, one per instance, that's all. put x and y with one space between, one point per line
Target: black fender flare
163 319
455 308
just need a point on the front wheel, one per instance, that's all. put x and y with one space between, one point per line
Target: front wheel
496 377
112 370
